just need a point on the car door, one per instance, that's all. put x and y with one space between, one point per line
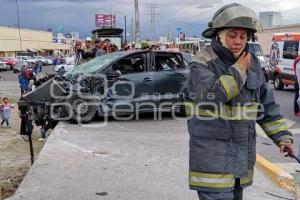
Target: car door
171 73
131 83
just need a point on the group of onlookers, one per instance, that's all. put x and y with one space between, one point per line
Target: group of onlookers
27 76
90 49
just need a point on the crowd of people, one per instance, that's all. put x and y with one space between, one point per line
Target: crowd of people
27 77
88 50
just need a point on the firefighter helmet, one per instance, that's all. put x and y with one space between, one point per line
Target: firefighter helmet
233 16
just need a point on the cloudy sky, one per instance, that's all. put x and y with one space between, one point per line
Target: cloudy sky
78 15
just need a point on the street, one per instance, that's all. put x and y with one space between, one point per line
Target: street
126 160
128 144
135 100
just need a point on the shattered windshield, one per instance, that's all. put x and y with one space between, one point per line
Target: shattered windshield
94 65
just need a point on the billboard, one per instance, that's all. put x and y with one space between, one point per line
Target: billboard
105 21
182 36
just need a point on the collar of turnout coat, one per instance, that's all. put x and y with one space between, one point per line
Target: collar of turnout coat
255 77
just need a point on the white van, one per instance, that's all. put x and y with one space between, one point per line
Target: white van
283 52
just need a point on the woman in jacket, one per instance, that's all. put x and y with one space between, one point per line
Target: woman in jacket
226 96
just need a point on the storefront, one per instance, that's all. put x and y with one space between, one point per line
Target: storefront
28 41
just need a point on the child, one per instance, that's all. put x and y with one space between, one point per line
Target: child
6 107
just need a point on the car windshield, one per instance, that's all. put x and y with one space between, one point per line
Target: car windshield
94 65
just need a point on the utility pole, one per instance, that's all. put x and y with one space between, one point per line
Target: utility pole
131 32
20 37
125 29
154 14
137 22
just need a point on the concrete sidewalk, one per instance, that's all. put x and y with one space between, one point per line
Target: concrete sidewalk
133 160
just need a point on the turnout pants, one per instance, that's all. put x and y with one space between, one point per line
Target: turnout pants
236 194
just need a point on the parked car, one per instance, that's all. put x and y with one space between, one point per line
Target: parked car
11 62
20 64
63 68
4 65
117 83
45 61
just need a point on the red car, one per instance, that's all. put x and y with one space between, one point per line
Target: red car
9 61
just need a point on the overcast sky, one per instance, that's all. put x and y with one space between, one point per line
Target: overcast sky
78 15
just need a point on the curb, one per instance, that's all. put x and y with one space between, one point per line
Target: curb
282 178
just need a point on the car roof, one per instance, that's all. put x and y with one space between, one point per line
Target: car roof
143 51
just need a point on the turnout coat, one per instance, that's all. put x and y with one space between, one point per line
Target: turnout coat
224 103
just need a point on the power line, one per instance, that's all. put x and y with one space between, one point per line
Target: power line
154 18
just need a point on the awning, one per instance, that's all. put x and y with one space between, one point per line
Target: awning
41 50
32 50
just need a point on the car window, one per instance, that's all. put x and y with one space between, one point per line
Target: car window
165 62
130 64
290 49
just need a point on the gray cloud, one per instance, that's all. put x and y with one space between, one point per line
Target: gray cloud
78 15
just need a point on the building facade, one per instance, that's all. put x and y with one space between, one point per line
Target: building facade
270 19
265 37
14 41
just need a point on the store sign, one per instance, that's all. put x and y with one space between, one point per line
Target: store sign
182 36
105 21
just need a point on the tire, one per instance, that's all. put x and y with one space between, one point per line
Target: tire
278 85
88 111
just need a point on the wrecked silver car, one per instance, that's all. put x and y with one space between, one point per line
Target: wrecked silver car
114 84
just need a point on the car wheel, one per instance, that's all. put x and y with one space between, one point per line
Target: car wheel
83 111
278 85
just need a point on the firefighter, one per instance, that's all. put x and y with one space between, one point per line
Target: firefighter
226 95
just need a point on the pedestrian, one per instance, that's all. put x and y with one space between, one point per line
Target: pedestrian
125 47
34 67
226 95
99 48
40 65
6 109
23 83
296 66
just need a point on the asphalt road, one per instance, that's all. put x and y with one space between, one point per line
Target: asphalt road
125 160
9 85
